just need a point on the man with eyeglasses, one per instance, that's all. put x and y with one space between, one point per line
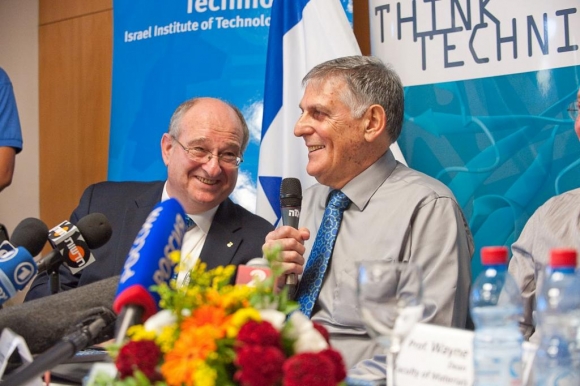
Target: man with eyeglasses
202 150
554 224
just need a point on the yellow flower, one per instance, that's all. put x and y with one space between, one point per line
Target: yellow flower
231 298
239 318
221 276
138 332
175 257
167 338
205 375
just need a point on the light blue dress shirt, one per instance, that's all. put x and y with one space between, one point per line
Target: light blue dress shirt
400 214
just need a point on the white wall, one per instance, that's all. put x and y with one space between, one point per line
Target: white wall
19 58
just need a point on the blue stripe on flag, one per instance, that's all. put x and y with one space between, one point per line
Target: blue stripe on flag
303 33
284 15
271 187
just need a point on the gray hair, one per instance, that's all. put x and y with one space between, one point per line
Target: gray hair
175 122
369 81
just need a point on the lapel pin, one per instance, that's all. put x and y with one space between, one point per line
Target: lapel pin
230 244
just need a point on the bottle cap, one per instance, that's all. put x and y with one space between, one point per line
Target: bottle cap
563 258
494 255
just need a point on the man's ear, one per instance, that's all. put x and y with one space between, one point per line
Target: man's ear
375 120
166 147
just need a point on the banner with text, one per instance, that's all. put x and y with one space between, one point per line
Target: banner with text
487 87
165 52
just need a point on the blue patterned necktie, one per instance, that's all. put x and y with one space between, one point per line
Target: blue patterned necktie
189 223
321 251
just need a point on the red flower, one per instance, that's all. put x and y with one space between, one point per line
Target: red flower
323 331
139 355
259 365
260 334
312 369
336 359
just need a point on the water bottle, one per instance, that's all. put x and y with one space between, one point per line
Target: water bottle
496 307
558 321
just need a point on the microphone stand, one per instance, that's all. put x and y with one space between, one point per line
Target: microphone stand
86 332
54 278
129 316
50 264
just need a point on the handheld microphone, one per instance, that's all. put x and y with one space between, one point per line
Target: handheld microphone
148 263
17 265
290 204
95 327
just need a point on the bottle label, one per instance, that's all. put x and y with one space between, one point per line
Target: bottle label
493 369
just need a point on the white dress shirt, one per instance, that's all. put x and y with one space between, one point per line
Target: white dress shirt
193 239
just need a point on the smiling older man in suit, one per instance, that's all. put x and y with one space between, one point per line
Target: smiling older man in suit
202 151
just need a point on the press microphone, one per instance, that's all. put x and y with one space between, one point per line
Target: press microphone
85 332
17 268
17 265
255 269
148 263
72 244
32 234
290 204
43 322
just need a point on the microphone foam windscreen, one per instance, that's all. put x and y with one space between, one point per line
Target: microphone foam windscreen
43 322
290 192
17 269
96 229
32 234
148 262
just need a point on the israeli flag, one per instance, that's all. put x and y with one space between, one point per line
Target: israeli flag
303 33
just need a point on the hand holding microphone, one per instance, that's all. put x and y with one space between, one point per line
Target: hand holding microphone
290 205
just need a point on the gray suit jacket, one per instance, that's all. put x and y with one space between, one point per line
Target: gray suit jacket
126 205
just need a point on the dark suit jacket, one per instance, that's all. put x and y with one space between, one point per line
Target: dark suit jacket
235 235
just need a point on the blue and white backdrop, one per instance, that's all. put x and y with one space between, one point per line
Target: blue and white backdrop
488 84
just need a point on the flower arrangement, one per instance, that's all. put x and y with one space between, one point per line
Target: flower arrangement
210 332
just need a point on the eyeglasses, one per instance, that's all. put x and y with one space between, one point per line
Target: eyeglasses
573 110
199 154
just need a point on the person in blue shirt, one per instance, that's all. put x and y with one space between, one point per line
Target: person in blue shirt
10 132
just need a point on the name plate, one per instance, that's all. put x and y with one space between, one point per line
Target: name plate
9 342
436 356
